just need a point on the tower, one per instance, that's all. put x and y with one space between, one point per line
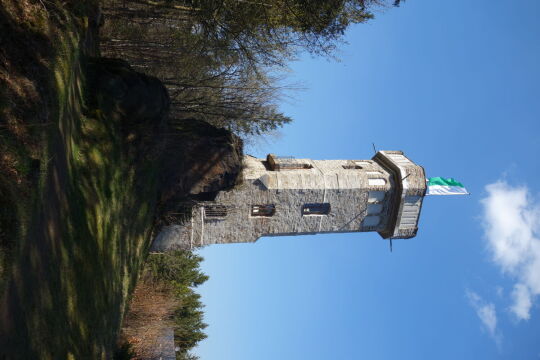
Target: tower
287 196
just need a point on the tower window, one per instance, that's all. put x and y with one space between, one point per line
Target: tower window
373 209
215 211
372 220
352 166
263 210
316 209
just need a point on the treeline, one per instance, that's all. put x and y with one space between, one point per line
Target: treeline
178 274
221 60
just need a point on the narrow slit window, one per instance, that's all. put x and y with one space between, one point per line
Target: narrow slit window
372 220
263 210
316 209
352 166
215 211
373 209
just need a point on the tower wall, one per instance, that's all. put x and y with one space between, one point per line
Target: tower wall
362 195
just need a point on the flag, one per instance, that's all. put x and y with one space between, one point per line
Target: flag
442 186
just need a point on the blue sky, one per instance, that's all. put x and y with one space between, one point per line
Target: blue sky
455 85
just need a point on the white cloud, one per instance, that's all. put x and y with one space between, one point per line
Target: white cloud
512 228
522 301
487 314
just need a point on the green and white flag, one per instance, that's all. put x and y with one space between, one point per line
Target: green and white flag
442 186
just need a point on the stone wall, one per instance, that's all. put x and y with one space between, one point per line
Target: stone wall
364 195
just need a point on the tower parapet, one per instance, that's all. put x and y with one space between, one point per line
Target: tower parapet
410 180
286 196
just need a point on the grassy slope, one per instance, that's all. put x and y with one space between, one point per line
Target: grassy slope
87 229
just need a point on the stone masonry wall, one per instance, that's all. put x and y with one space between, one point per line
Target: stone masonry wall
363 196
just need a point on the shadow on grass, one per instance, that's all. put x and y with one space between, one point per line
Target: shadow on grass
90 208
88 234
22 75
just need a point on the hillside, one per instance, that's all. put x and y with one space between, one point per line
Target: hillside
82 140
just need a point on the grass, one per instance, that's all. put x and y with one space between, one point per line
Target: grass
86 220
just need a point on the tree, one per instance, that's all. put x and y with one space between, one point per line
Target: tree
180 272
215 56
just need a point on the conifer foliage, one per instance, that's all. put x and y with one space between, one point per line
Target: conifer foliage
179 271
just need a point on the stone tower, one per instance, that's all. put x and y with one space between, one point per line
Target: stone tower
287 196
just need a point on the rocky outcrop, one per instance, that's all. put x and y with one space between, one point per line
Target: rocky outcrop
197 159
121 92
200 160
